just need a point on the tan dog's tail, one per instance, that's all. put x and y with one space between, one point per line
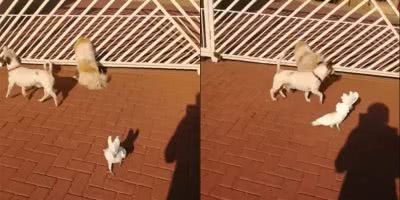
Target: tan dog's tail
48 66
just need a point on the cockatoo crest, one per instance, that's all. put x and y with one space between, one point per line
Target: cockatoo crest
350 99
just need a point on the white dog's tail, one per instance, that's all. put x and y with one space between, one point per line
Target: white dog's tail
48 66
278 65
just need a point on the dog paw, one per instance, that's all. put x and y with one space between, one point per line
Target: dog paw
110 172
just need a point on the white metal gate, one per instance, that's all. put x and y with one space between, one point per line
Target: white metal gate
360 36
125 33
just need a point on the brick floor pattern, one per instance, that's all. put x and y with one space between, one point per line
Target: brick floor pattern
56 153
254 148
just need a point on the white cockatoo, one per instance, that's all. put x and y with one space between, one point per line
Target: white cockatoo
114 152
342 110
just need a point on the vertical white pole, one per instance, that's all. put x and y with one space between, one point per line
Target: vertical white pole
209 26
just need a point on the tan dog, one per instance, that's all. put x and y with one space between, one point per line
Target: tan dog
306 59
89 74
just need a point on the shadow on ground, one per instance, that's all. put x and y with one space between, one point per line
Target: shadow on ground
370 157
128 143
329 81
184 149
62 84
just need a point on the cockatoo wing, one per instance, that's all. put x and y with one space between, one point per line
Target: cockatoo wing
114 146
109 141
122 152
117 142
354 96
343 108
326 120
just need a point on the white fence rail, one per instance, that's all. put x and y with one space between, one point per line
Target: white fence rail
125 33
360 38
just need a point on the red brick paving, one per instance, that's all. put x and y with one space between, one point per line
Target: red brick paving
56 153
253 148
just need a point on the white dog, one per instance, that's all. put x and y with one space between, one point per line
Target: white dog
25 77
342 110
304 81
89 74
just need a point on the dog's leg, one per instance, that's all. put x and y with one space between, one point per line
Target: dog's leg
272 93
281 92
45 95
337 126
54 96
321 96
307 96
23 91
10 86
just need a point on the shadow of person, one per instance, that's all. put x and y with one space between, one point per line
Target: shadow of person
184 149
370 157
128 143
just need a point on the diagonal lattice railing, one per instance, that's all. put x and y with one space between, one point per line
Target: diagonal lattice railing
125 33
361 38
